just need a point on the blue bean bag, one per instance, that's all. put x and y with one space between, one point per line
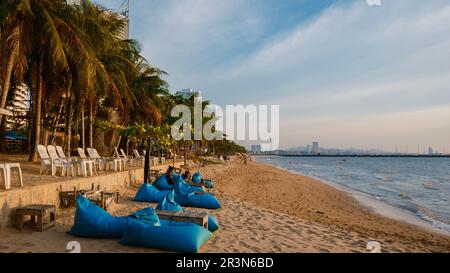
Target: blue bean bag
162 184
91 221
148 193
180 237
197 178
147 216
187 198
213 224
169 204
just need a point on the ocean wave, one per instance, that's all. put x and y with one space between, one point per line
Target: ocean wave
405 195
423 214
430 185
383 177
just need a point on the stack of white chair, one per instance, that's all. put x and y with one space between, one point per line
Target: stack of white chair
7 174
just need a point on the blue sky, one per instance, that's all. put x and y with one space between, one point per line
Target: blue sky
344 73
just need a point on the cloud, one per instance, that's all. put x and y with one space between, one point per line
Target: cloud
341 65
356 61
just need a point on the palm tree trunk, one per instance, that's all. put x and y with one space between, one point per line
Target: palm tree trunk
58 117
91 123
147 162
83 133
69 116
6 84
185 156
37 113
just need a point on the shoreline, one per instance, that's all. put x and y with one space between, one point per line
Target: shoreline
264 210
374 205
322 205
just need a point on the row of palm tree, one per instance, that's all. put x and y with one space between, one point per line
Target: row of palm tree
74 63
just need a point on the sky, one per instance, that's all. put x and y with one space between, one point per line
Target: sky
345 73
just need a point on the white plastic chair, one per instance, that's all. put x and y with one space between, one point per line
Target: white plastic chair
99 161
138 157
127 158
62 155
115 162
54 156
46 162
121 157
85 163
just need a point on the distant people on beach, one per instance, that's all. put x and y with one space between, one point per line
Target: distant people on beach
169 176
187 176
224 158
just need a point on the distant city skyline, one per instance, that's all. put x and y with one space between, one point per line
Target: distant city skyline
344 73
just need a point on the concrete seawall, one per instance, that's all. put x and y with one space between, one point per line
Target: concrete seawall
48 193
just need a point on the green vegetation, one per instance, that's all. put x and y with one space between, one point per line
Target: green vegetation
79 70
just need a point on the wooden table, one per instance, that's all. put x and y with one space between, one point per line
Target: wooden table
199 218
39 211
103 199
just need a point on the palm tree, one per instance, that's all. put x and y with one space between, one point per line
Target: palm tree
14 18
72 55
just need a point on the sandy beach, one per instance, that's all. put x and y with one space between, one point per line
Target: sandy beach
265 209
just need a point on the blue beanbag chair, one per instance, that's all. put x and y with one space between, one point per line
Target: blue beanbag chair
181 237
190 199
91 221
168 203
147 216
213 224
148 193
162 184
197 178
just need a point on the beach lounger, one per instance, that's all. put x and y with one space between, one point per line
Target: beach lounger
7 174
47 162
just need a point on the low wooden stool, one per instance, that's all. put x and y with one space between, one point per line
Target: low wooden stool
39 211
199 218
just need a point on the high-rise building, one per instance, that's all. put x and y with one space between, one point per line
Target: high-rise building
430 151
20 105
122 13
315 148
124 33
256 149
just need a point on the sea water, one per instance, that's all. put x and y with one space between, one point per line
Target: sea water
420 186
